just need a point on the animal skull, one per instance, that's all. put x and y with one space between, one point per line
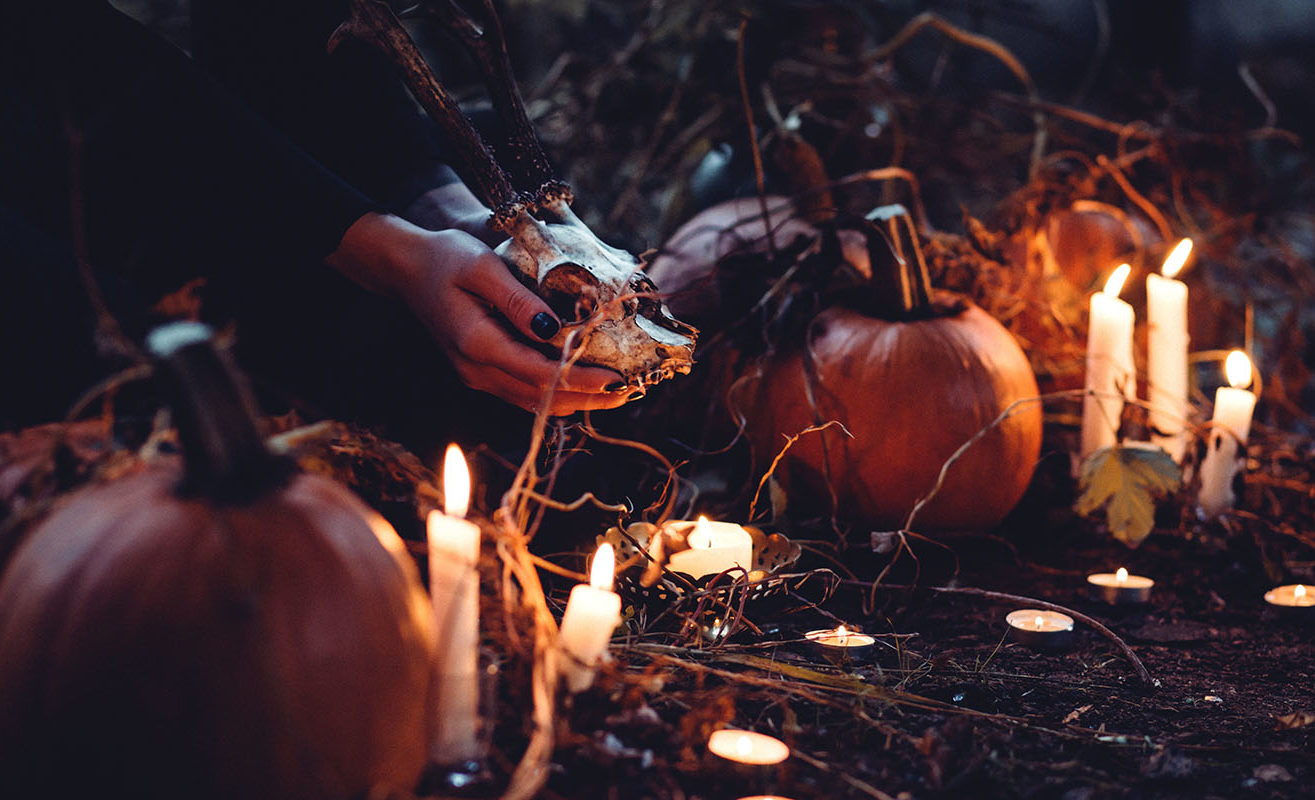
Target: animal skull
602 296
608 307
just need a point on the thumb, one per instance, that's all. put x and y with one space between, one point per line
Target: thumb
522 307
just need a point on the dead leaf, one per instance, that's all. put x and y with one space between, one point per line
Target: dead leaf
1297 719
1075 713
1124 481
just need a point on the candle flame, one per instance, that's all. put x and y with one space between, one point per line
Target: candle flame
1237 368
842 633
1121 576
743 746
1114 284
1177 258
456 482
1039 622
703 532
603 570
1299 592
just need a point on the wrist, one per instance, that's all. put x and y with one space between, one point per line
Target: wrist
376 252
452 207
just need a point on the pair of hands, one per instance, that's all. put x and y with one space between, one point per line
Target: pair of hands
477 311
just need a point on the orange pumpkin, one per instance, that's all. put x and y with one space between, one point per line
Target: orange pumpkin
912 374
241 632
910 393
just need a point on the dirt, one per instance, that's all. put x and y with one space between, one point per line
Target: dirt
956 709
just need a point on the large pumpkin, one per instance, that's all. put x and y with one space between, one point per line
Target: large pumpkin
910 393
224 630
910 373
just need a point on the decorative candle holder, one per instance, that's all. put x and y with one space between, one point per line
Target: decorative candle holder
664 599
472 777
841 646
1120 588
1040 629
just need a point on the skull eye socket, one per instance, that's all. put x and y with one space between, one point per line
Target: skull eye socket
571 291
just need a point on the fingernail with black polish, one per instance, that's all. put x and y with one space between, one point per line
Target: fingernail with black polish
545 325
635 396
615 387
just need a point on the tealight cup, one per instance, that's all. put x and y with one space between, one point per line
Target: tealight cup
1297 599
1120 588
747 747
841 645
1040 629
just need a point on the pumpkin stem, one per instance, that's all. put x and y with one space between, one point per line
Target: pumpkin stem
224 453
901 278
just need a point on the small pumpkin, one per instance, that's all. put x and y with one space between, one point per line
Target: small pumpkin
224 629
913 374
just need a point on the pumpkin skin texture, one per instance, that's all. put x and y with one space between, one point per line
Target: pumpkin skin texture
911 393
277 650
161 642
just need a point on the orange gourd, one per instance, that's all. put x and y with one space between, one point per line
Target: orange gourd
910 392
911 373
228 629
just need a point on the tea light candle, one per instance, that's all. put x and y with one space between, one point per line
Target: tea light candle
747 747
1229 427
1120 588
841 643
1166 352
454 591
1292 596
1110 371
1038 628
592 613
714 547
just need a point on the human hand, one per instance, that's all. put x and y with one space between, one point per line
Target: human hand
453 206
472 304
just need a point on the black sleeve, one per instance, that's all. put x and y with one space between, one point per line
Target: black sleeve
169 162
347 108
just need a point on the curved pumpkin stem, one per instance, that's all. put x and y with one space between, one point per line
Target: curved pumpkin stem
904 288
224 454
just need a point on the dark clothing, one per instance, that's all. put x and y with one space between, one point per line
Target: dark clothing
175 177
171 165
345 108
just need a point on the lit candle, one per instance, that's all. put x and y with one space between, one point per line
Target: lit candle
1039 628
840 643
1292 596
592 613
1166 352
1229 427
747 747
714 547
454 589
1110 370
1120 588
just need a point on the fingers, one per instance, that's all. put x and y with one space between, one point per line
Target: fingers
467 296
532 396
489 278
491 361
